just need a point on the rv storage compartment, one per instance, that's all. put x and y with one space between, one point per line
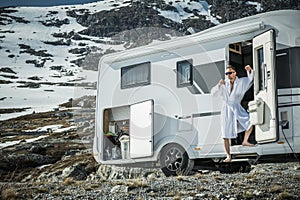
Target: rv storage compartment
256 111
115 127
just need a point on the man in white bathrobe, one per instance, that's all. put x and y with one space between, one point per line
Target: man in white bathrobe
234 118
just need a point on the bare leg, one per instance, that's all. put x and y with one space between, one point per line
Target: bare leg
246 137
227 149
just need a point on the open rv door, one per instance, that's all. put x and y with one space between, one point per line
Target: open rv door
262 110
141 129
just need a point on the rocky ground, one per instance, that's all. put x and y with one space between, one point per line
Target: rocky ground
60 166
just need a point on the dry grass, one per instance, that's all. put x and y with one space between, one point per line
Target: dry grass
201 188
170 194
180 178
218 178
43 190
276 189
248 194
69 181
9 194
178 196
136 183
285 195
199 176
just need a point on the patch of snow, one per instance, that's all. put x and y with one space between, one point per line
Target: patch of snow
258 5
12 143
201 7
33 34
60 130
46 128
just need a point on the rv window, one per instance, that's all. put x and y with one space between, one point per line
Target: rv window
135 75
261 71
184 73
287 67
206 76
283 70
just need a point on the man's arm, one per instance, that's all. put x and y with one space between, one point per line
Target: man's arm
250 72
217 90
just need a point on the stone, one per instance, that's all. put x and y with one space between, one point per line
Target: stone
119 189
77 172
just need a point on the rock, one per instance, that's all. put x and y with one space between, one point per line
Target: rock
119 189
77 172
62 42
111 172
201 195
38 149
35 78
257 192
7 70
30 85
55 22
12 162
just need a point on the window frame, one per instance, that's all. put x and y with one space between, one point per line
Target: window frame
129 67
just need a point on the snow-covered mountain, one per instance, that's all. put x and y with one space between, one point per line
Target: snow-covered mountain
42 53
50 54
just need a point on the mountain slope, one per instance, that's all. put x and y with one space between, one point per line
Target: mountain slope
46 51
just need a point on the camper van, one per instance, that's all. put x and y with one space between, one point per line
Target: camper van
154 105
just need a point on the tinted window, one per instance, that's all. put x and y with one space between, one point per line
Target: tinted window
184 73
282 69
288 68
295 66
261 70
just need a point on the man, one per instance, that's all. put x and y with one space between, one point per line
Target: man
234 118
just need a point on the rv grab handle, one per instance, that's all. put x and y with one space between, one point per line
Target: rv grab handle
183 117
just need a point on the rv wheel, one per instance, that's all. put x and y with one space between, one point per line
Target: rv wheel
175 161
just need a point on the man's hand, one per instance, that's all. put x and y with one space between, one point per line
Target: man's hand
248 68
221 82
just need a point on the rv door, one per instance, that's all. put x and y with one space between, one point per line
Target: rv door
263 109
141 129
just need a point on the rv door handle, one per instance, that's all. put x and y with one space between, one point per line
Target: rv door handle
185 117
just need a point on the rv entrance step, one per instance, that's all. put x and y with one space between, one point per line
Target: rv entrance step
250 159
241 160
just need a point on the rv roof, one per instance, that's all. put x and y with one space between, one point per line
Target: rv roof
233 28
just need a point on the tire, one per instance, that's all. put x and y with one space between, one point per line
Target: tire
175 161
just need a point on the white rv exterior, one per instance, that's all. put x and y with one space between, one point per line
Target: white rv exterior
158 96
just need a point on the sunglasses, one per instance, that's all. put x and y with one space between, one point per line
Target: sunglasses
229 73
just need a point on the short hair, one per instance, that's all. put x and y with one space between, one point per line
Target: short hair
230 67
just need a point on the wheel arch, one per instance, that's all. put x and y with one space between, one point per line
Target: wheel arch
177 140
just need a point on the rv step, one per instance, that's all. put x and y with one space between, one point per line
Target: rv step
240 160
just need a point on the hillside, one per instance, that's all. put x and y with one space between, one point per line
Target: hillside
47 51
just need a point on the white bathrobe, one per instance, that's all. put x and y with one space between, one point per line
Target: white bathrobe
234 118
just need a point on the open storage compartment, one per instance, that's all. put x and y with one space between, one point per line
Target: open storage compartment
116 133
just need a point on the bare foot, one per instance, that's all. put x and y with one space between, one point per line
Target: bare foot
247 144
228 159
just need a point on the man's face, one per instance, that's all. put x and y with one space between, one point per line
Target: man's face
231 74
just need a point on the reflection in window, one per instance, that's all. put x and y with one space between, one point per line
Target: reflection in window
206 76
135 75
184 73
261 65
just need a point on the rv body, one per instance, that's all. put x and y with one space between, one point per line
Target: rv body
157 99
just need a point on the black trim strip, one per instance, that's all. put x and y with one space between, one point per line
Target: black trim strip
289 105
286 95
206 114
